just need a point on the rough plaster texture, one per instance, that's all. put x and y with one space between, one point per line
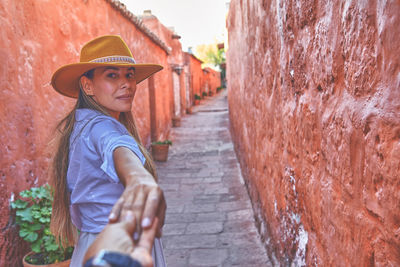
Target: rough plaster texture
175 59
212 80
314 96
36 38
196 74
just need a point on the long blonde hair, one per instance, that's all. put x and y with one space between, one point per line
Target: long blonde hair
61 224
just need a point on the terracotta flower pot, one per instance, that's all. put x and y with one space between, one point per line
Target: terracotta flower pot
197 102
58 264
159 152
176 122
189 110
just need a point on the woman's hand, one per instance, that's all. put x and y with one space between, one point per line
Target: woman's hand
142 195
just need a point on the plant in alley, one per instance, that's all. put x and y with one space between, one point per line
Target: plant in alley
33 213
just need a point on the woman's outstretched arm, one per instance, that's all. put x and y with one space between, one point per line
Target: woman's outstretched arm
142 195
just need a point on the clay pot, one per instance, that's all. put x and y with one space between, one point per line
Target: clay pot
58 264
189 110
197 102
159 152
176 122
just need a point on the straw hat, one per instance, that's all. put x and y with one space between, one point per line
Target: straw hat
109 50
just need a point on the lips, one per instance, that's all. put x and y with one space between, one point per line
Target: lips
125 97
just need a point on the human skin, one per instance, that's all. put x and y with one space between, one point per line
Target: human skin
142 195
112 87
117 237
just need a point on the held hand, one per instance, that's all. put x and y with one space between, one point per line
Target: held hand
142 195
117 237
146 200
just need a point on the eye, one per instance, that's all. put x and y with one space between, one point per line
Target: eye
112 75
130 75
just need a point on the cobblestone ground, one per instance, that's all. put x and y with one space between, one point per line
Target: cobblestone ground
209 219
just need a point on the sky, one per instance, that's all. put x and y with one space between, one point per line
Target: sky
196 21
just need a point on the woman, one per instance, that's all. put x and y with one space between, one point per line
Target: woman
101 170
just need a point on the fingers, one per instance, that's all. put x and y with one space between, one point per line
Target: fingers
155 200
116 210
146 202
147 238
161 218
135 203
129 223
142 252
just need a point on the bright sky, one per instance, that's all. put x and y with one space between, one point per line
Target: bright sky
196 21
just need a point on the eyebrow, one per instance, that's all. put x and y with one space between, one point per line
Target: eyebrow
115 68
110 68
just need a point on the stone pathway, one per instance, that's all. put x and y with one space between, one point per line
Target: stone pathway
209 219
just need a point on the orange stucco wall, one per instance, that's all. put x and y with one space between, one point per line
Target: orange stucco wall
212 80
37 37
314 98
176 59
196 74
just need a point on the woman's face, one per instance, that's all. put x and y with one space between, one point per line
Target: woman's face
112 87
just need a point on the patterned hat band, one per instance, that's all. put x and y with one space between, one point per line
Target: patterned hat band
110 59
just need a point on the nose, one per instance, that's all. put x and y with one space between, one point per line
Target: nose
124 83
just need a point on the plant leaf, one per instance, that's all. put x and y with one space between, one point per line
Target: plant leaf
28 235
25 215
19 204
36 246
34 227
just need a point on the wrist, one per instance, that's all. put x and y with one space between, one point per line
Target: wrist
142 180
112 259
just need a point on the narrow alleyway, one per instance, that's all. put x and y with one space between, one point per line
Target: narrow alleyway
209 218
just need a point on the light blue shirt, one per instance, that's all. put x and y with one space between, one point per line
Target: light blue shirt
92 180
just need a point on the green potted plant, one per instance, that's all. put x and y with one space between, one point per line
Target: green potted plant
197 99
204 94
159 150
33 213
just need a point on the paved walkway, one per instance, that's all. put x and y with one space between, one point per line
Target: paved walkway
209 219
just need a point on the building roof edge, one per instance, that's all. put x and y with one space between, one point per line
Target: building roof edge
117 5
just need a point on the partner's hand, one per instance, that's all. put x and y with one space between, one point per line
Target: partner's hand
117 237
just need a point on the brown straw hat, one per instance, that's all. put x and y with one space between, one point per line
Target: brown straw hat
109 50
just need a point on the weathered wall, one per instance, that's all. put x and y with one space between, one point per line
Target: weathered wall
196 74
37 37
212 80
175 59
314 97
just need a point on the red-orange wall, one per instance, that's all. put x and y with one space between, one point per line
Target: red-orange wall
196 75
212 80
37 37
314 98
176 57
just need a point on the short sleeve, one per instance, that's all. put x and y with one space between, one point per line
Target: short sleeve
106 135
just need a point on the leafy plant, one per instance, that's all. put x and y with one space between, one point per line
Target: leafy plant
165 142
33 213
204 94
197 97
